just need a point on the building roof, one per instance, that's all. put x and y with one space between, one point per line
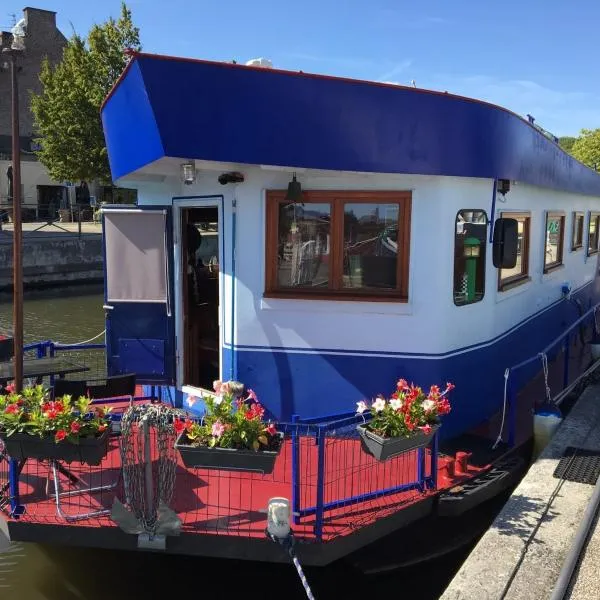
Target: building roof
194 109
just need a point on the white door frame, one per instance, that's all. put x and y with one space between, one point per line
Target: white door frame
180 202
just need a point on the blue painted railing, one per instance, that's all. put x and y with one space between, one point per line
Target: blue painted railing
318 430
565 339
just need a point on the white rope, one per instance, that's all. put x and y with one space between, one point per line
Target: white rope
545 368
84 341
499 438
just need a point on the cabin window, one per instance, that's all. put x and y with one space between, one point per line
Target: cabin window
508 278
554 236
338 245
577 234
470 232
593 229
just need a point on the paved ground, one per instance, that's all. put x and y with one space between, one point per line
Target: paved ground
521 555
41 230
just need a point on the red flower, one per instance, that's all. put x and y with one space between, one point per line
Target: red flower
51 414
426 429
10 388
449 386
179 426
102 427
11 409
60 435
189 424
75 427
271 429
249 415
443 406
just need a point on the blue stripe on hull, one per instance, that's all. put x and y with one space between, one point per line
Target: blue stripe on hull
320 384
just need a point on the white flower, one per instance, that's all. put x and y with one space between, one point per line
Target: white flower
218 399
396 403
379 404
361 407
428 405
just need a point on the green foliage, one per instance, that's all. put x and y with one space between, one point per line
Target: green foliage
67 111
587 147
230 422
566 143
64 419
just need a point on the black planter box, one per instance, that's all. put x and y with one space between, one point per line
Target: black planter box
384 448
226 459
90 451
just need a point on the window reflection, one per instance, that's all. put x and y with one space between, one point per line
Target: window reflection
370 245
469 256
304 235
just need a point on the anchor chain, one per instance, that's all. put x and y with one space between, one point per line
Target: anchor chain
149 468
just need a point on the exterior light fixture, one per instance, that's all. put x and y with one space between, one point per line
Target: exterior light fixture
278 518
294 191
188 173
503 186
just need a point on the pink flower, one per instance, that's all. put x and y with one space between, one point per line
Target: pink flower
218 429
252 396
11 409
191 400
361 407
10 388
402 384
75 427
271 429
426 429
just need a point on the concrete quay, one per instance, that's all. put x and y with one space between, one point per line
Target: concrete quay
521 556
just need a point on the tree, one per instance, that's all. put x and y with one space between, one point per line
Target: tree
67 110
566 143
587 147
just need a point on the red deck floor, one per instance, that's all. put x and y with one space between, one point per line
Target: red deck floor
232 503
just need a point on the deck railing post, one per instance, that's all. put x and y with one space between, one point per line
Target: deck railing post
566 360
295 470
320 482
434 460
421 468
42 349
14 470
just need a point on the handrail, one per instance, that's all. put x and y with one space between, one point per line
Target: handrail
557 340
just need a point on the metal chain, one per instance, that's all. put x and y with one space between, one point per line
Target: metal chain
136 448
545 368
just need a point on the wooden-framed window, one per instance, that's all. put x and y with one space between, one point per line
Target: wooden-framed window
577 232
593 228
338 245
508 278
554 235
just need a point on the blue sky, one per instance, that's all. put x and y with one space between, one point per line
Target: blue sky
532 56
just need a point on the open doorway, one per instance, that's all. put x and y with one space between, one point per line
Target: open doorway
200 264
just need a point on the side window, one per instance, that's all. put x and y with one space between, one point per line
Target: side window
593 233
470 233
554 236
508 278
577 233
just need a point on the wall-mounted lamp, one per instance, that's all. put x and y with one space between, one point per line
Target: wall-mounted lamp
503 186
294 191
188 173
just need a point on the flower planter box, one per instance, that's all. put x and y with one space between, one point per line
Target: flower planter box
384 448
227 459
90 451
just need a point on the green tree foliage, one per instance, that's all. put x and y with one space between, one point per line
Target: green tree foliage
587 147
566 143
67 111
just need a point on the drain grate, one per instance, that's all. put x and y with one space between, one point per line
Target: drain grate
579 465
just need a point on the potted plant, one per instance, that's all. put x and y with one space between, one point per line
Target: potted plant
408 420
33 426
232 435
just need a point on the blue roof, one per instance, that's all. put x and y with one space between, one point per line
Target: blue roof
191 109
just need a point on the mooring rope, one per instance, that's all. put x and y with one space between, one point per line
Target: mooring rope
84 341
499 438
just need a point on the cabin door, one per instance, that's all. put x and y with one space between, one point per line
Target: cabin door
138 303
200 259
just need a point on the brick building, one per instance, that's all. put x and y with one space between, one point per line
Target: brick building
42 39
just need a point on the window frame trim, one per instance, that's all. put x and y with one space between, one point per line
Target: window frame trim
337 199
560 262
507 283
576 214
593 215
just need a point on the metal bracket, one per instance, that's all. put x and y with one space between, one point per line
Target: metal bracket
155 542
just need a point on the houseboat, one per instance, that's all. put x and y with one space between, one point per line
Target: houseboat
319 238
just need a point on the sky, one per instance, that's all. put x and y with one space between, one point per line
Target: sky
536 57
